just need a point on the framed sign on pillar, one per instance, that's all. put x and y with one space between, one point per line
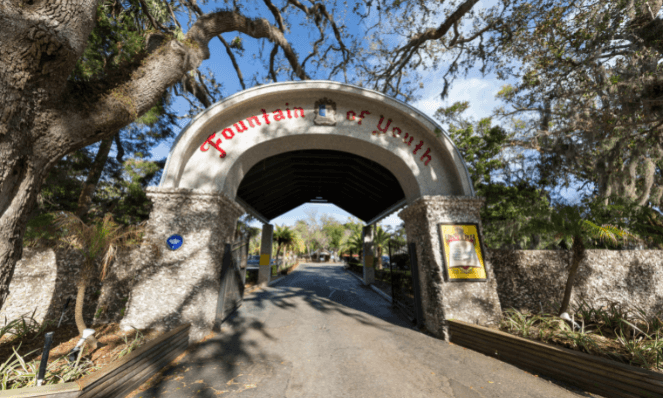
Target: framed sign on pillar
462 252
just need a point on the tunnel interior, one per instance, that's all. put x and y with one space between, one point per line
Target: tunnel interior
280 183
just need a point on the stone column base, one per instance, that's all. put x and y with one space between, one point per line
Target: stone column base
369 259
265 270
475 302
180 286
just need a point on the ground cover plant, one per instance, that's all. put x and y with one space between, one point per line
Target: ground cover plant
21 345
623 333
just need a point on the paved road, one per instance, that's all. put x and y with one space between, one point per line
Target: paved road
320 333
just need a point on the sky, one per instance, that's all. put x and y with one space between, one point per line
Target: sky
480 91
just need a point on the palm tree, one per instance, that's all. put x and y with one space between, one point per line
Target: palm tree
353 243
284 237
98 243
380 240
570 224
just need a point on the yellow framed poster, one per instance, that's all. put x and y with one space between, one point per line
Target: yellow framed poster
462 253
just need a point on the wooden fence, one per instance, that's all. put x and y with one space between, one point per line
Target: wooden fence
591 373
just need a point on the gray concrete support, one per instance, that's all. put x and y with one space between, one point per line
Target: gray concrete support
265 272
475 302
368 257
172 287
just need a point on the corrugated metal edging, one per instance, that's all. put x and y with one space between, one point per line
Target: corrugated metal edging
594 374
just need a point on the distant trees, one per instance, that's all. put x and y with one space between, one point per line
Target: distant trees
589 95
285 238
499 176
354 244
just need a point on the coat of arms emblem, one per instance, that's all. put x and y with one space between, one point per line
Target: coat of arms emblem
325 112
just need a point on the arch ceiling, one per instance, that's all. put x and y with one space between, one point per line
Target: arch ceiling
280 183
277 146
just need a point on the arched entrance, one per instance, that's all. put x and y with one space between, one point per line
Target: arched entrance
271 148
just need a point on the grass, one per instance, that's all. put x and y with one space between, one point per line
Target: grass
623 333
16 372
23 326
136 342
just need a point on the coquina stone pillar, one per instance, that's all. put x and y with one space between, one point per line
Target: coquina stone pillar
265 271
369 264
475 302
172 287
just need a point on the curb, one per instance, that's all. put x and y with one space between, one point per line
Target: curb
381 293
273 281
270 283
375 289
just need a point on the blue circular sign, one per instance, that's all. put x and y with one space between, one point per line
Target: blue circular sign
174 242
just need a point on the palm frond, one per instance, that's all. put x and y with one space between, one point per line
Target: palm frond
608 232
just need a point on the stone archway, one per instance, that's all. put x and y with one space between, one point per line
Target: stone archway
198 194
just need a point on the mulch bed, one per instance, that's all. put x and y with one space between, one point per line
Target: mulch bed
110 337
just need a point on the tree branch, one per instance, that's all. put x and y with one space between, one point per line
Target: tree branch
406 51
234 62
272 56
86 121
153 21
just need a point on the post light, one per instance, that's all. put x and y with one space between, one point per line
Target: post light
76 352
48 339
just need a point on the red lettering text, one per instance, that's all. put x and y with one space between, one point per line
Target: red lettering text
265 116
393 132
418 147
300 110
361 115
278 115
214 144
240 130
253 119
353 115
228 134
380 124
426 155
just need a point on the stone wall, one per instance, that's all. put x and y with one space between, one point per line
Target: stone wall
45 278
525 279
532 279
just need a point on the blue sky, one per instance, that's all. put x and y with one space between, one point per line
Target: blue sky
478 90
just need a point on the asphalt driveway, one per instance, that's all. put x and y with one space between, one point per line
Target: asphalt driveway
320 333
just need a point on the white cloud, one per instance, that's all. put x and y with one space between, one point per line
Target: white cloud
479 92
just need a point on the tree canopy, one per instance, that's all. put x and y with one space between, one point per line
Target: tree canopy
86 92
